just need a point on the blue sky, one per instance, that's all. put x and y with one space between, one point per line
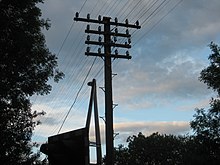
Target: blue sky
157 90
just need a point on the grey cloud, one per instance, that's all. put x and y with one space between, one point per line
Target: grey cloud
126 129
50 120
173 78
147 128
165 64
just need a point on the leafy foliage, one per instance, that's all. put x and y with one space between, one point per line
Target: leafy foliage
201 148
162 149
211 75
206 123
26 65
154 149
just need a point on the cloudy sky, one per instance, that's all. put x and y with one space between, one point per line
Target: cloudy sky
157 90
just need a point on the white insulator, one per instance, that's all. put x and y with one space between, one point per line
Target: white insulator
77 14
115 39
100 39
129 40
116 52
99 50
88 27
127 31
88 49
127 53
88 16
116 20
99 18
99 29
88 38
126 21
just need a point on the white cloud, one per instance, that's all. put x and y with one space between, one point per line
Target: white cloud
126 129
164 68
164 127
200 104
52 120
174 77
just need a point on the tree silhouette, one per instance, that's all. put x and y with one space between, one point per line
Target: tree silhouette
206 123
26 65
203 147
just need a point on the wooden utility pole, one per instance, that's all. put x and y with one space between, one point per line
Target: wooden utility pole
107 56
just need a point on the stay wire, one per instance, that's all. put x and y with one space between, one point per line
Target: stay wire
77 95
134 42
68 33
158 22
82 6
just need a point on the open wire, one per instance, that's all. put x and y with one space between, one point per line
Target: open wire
142 13
77 95
82 6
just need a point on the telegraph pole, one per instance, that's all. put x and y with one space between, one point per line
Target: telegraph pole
107 56
108 93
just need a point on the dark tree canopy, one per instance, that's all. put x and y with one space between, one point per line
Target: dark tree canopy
203 147
211 74
162 149
206 123
25 67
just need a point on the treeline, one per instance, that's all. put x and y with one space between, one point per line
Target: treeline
203 147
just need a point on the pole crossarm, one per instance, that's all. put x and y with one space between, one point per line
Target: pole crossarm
99 21
111 55
110 44
103 33
110 35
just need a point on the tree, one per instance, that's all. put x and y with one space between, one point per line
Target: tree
122 155
201 148
26 65
161 149
211 74
153 149
206 123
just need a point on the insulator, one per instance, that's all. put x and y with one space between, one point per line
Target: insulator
129 40
115 39
137 23
88 27
88 38
116 20
100 18
126 21
99 50
88 16
100 39
126 43
127 31
116 51
88 49
99 29
116 30
127 53
77 14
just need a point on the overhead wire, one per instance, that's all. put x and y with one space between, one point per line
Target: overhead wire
76 95
82 62
68 33
83 83
83 6
180 1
